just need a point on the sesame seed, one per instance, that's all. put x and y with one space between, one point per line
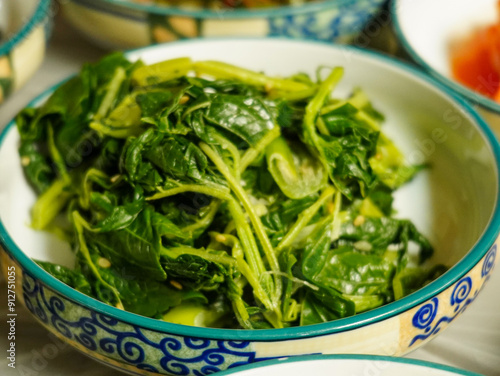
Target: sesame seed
103 263
220 238
359 220
330 207
176 284
115 178
184 99
25 161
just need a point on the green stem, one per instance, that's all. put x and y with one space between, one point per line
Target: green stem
115 132
242 228
247 239
372 123
333 106
293 96
80 224
219 193
206 220
175 252
162 71
93 175
254 218
320 123
252 153
315 105
304 218
56 156
194 108
233 150
227 71
246 271
337 221
49 204
111 93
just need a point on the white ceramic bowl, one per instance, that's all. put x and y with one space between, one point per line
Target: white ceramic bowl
131 24
25 26
347 365
426 28
455 203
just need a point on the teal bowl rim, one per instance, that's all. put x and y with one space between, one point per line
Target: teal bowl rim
280 11
477 252
370 358
41 13
471 95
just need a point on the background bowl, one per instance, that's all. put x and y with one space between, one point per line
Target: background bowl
128 24
445 21
347 365
25 28
455 203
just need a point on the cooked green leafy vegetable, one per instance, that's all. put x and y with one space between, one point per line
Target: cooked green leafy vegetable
206 194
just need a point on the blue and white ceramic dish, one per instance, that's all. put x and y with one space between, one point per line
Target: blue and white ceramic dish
24 28
455 203
449 21
346 365
129 24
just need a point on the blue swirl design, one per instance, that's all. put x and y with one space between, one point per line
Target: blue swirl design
422 319
342 21
426 314
461 291
489 261
147 350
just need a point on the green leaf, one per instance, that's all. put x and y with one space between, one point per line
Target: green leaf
36 167
323 306
177 157
355 273
247 117
142 296
50 204
121 217
136 247
199 268
295 170
411 279
70 277
380 233
316 250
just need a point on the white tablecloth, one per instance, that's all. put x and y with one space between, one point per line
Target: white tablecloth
472 342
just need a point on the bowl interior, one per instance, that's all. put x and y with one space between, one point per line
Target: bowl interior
347 366
13 15
451 202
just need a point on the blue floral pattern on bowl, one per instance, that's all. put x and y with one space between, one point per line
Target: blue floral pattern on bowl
333 24
428 320
144 351
147 350
338 21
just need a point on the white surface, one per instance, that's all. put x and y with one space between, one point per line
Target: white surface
472 342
